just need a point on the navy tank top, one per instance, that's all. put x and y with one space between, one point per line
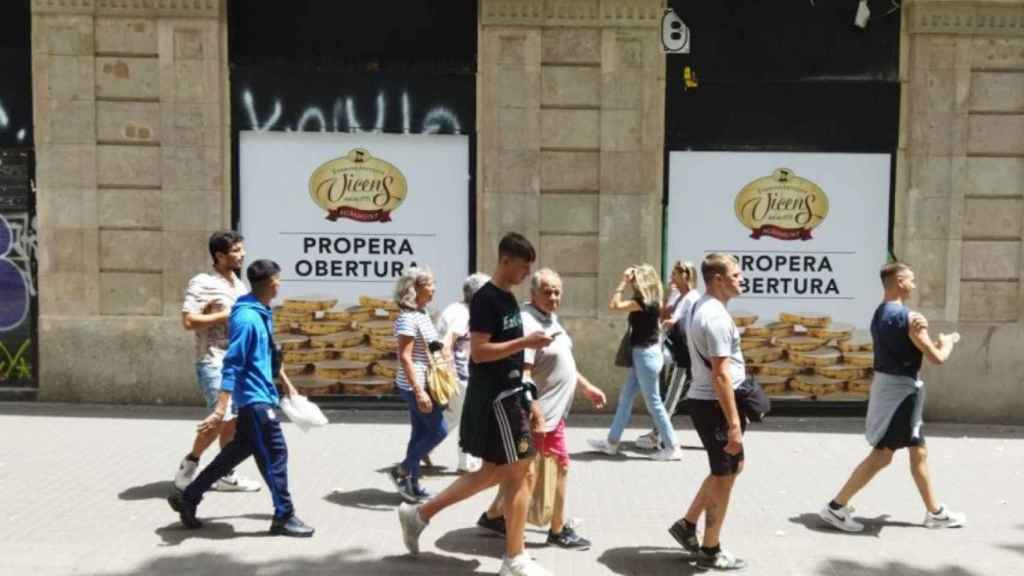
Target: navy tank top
895 353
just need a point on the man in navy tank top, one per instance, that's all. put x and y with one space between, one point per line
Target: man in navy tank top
901 342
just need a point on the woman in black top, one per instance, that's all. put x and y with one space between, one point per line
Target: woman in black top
644 309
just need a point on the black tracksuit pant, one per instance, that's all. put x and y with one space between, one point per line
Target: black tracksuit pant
257 434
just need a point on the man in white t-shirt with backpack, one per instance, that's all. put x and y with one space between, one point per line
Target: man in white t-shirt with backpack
718 370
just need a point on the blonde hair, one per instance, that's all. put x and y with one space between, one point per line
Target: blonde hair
647 284
688 271
405 288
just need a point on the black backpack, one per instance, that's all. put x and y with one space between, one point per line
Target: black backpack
675 340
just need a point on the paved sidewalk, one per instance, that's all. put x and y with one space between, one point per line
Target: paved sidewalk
82 491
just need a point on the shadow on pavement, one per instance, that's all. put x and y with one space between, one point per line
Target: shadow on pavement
151 491
213 529
872 526
844 567
649 561
478 542
346 562
373 499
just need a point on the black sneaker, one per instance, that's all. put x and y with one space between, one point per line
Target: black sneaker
494 525
568 538
186 510
686 537
290 526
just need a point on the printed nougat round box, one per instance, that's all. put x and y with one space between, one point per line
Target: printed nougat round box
773 384
859 341
751 342
860 386
834 331
816 384
799 343
338 370
313 386
297 369
291 341
363 353
763 355
821 356
309 304
338 340
859 358
376 327
321 327
777 368
842 372
386 368
743 319
805 319
369 385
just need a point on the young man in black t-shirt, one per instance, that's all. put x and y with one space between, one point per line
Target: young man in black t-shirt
496 416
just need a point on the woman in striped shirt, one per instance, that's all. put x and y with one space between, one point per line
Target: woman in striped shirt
414 329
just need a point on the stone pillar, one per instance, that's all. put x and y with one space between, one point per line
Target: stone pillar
960 197
132 150
570 153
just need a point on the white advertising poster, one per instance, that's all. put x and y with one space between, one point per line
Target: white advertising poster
344 214
810 229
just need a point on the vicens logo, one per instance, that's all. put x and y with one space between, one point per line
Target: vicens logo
783 206
359 187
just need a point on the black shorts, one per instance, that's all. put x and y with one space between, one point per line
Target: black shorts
499 431
900 433
711 426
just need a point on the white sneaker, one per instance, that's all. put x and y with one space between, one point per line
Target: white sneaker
946 518
412 526
721 561
186 471
648 441
602 445
235 483
522 565
841 519
668 454
468 463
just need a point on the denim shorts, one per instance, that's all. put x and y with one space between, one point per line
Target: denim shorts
209 378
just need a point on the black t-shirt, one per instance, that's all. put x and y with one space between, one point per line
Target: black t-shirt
645 324
496 312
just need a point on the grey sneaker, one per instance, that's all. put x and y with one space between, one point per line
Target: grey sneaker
721 561
522 565
945 518
412 526
841 519
602 445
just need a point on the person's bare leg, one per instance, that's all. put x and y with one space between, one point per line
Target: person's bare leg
464 487
878 459
717 504
227 432
516 484
205 439
558 515
699 502
919 470
497 505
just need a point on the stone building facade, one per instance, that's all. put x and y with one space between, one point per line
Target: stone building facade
133 170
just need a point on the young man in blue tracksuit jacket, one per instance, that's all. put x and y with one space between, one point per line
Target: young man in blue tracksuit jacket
248 379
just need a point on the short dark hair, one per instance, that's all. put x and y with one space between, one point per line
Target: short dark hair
261 270
890 270
515 245
715 263
222 242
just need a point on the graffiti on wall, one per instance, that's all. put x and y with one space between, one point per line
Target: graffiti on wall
353 103
18 289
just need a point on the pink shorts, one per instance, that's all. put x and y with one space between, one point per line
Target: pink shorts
553 444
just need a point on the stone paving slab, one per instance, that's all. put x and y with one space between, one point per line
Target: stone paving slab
82 492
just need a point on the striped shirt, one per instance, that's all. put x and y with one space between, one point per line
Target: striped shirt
415 324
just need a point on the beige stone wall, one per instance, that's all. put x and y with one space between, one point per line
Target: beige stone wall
571 123
132 152
960 197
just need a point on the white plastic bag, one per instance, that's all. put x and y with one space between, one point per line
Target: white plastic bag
302 412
